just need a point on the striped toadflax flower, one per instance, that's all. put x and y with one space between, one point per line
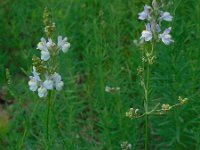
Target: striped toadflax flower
154 16
166 37
145 14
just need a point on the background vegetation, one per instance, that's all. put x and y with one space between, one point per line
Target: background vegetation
85 117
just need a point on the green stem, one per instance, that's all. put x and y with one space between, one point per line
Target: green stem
146 110
48 118
146 131
147 101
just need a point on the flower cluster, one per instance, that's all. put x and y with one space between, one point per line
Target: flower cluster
126 146
45 47
154 18
166 107
51 81
182 100
45 76
51 78
132 113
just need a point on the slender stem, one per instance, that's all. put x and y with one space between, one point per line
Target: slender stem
146 131
146 109
48 117
147 101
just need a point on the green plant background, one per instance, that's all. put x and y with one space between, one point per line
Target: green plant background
85 117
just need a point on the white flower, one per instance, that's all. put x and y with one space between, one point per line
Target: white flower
42 92
45 55
108 89
36 74
59 85
145 14
147 34
63 44
48 84
56 77
165 16
33 84
42 45
111 89
166 37
57 81
60 41
66 47
50 43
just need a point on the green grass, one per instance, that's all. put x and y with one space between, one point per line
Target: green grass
102 53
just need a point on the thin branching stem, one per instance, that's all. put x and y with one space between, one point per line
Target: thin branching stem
48 118
146 110
146 90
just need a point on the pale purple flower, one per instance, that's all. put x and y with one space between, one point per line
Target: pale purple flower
50 43
56 77
42 92
154 26
36 74
145 14
43 46
66 47
63 44
48 84
59 85
34 80
165 16
147 34
33 84
45 55
166 37
58 81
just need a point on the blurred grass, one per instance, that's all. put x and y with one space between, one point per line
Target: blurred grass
102 53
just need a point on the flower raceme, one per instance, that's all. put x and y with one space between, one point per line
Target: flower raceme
48 79
153 33
45 76
154 16
45 46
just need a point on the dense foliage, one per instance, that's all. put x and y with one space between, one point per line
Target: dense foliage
102 53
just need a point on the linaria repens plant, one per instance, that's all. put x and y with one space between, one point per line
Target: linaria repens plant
152 34
45 78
